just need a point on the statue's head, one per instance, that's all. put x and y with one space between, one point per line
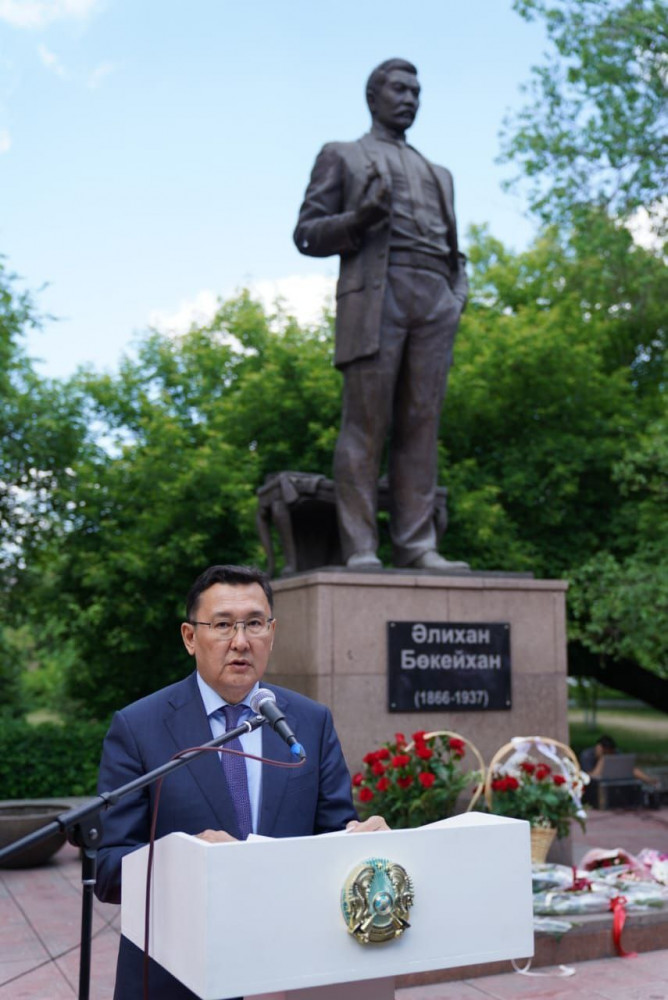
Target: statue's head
393 94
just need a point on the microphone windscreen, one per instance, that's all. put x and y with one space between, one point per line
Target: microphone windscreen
261 695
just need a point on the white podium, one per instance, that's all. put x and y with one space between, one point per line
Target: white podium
263 918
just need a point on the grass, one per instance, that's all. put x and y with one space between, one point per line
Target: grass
643 731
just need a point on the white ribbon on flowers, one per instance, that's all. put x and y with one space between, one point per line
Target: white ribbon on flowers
522 748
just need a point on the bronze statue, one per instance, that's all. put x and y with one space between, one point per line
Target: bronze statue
389 213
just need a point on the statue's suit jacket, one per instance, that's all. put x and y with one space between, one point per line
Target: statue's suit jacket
326 226
315 798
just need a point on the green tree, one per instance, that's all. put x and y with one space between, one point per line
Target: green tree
554 437
555 373
41 432
591 144
185 435
594 129
619 600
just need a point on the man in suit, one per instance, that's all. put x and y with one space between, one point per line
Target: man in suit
229 630
389 213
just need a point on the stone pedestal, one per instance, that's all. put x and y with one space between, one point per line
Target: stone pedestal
331 644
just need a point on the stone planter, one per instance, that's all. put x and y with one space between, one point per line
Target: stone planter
18 818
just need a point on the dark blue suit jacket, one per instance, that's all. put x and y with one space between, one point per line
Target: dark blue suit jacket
315 798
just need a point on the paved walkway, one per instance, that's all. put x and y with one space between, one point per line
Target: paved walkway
642 978
40 925
40 916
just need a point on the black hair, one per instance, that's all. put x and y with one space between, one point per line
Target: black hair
607 743
237 576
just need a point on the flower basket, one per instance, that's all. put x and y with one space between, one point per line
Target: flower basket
421 781
537 778
541 841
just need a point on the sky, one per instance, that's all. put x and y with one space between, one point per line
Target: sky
154 153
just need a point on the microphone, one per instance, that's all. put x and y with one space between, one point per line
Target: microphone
263 703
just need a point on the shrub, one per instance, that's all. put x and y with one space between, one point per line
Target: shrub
49 760
11 695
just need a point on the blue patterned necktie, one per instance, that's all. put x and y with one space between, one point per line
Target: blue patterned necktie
234 768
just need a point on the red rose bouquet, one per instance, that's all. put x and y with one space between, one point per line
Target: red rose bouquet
415 783
538 785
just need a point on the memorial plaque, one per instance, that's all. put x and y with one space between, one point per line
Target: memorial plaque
451 666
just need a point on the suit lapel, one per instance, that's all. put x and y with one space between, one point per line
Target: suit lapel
374 156
274 779
189 727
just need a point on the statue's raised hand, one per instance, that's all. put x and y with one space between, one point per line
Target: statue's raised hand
376 200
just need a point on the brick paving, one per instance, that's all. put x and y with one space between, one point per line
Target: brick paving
40 916
40 924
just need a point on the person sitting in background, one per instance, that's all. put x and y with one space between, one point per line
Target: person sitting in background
592 760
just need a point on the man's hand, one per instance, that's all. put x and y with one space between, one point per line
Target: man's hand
216 836
376 201
371 825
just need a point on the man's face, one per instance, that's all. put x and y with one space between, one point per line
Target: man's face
230 666
395 104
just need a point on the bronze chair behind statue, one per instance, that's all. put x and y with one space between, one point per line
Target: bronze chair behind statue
302 508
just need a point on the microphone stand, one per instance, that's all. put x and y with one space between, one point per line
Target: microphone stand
83 827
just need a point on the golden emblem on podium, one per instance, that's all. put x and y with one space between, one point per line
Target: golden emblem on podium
375 900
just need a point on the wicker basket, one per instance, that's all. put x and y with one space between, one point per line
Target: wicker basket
541 842
509 748
479 788
541 837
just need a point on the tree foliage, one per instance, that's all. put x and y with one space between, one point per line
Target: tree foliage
594 129
560 365
619 602
185 434
41 433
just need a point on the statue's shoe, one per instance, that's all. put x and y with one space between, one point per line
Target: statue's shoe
432 560
364 560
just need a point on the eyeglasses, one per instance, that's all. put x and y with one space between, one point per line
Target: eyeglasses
256 626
